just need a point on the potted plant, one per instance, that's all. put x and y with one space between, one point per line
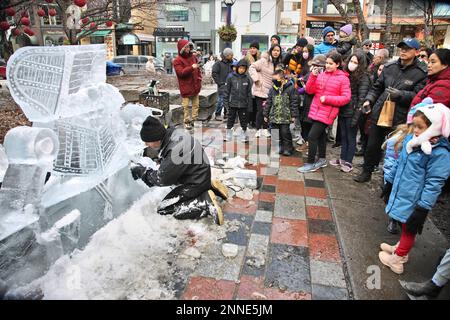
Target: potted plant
227 33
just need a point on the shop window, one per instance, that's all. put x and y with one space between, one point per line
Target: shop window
255 11
97 40
204 13
175 12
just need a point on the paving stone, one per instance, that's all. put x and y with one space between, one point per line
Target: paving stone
324 248
256 260
291 161
291 232
272 180
288 268
267 197
266 206
214 265
201 288
310 201
289 173
264 216
314 176
327 273
311 183
263 228
291 207
237 205
268 188
251 288
290 187
322 213
320 292
321 226
241 236
316 192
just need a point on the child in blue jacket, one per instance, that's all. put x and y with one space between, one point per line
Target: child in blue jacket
417 179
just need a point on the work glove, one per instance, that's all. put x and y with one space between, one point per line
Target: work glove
386 192
137 171
415 222
395 93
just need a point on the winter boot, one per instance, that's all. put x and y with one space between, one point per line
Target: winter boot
393 227
393 261
391 249
219 189
417 289
214 209
365 176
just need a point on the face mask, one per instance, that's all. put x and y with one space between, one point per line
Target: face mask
276 83
352 67
305 55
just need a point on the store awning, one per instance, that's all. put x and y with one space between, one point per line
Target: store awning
129 39
145 37
97 33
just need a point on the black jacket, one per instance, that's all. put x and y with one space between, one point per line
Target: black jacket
282 105
345 45
410 80
238 90
220 71
359 92
182 161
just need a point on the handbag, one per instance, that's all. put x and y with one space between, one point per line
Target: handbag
386 117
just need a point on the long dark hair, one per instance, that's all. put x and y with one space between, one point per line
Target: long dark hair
278 60
443 55
336 57
356 75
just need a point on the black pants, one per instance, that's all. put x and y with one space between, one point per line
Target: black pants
285 136
242 113
252 114
306 127
260 123
317 138
373 153
186 201
362 131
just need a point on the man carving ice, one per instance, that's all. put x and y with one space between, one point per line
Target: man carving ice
183 163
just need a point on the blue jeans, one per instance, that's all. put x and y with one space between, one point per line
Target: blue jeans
348 139
219 105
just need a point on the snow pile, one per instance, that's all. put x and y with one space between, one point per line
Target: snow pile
130 258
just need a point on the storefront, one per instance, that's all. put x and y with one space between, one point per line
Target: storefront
53 38
315 28
246 40
166 40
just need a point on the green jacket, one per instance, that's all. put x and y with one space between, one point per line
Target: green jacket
282 104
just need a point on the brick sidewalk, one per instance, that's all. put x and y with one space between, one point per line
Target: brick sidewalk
290 224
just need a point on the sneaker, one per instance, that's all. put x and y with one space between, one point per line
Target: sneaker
336 162
308 167
228 135
243 136
266 133
346 167
215 210
258 133
393 261
321 163
303 148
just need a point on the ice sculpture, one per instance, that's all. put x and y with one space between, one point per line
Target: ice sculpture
82 137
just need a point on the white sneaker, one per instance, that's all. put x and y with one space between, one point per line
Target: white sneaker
258 133
266 133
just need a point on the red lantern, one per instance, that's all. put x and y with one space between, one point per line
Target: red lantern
25 21
10 12
41 12
80 3
49 1
85 20
52 12
93 25
28 31
16 32
109 24
4 25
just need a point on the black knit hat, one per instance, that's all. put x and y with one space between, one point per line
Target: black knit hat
152 130
254 44
302 42
276 37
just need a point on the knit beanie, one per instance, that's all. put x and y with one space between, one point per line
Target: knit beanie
152 130
276 37
302 42
347 29
254 44
327 30
439 116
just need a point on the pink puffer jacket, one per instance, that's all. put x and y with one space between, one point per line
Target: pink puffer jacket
261 72
335 86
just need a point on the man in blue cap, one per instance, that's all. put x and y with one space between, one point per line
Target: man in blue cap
329 41
401 80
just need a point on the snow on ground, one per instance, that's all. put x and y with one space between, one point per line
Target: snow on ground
3 162
133 257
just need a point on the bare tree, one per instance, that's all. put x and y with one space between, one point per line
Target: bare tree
427 8
338 4
388 33
362 29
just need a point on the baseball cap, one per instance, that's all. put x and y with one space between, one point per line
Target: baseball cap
410 42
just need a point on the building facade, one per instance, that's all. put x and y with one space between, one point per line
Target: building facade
192 20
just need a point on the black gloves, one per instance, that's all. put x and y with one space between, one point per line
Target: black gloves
395 93
415 222
386 192
137 171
